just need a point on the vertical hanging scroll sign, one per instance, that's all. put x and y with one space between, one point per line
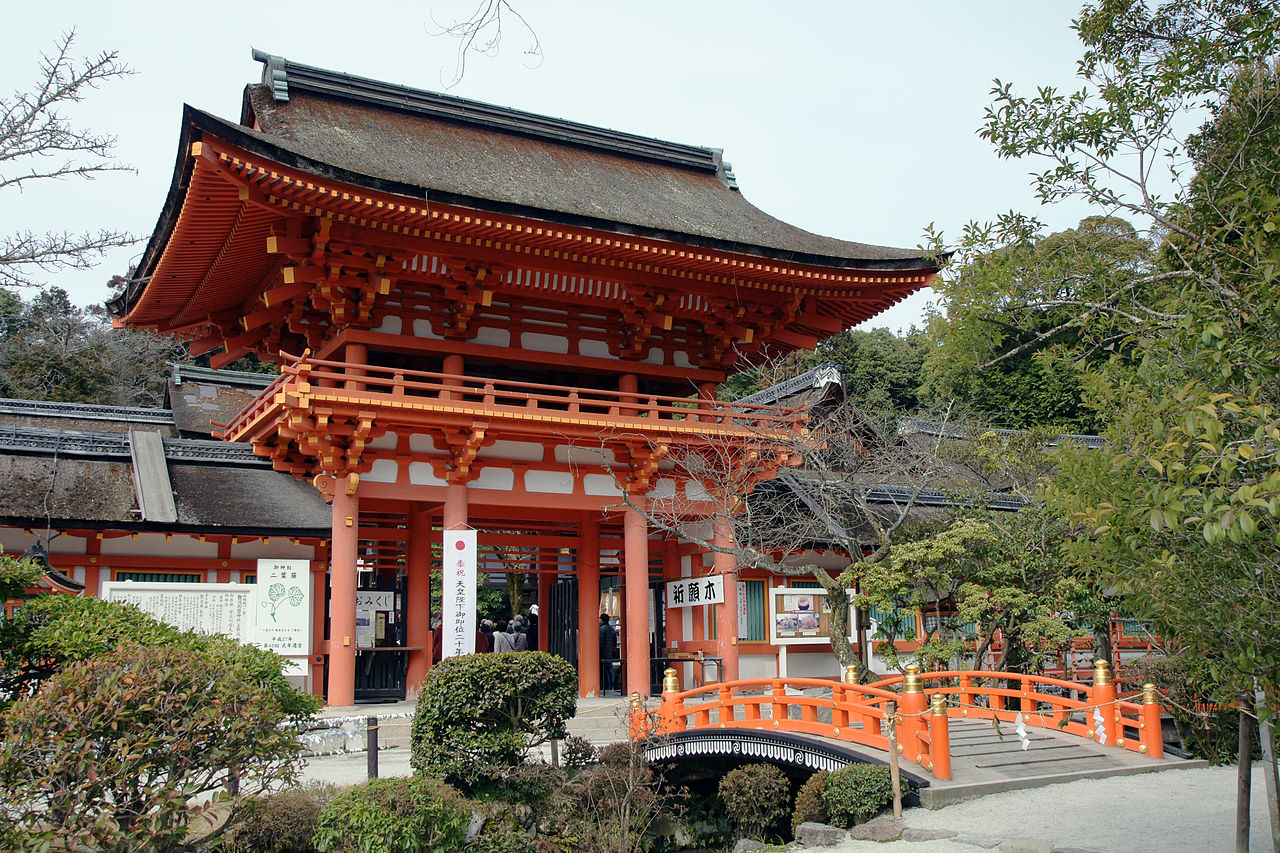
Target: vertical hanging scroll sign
459 625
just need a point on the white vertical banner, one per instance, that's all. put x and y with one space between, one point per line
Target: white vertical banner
459 576
744 624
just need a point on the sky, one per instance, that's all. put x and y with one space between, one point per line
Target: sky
853 119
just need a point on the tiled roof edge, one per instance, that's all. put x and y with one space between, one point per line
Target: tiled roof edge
85 411
285 77
906 426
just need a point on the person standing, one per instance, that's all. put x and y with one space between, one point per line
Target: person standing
608 653
519 640
532 632
502 640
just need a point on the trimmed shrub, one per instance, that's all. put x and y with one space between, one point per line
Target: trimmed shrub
401 815
111 751
578 752
856 793
480 713
609 808
284 822
616 754
810 806
51 631
757 797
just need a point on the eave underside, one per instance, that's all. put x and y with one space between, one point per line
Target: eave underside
262 258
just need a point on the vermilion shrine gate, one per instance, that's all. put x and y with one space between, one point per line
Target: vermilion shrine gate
493 319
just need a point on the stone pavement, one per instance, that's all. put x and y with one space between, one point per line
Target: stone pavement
1190 810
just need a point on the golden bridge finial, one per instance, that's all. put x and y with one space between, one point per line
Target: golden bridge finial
670 683
1101 673
911 680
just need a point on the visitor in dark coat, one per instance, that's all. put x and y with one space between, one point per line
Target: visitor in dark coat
503 641
608 653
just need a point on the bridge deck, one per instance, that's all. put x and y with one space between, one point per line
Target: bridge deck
986 759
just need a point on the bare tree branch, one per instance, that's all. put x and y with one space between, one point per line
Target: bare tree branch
38 142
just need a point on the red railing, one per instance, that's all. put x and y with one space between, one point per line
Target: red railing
925 702
855 713
307 377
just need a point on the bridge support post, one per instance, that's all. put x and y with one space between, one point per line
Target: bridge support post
1152 737
669 717
912 707
940 737
1103 695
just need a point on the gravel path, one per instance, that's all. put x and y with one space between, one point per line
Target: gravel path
1189 810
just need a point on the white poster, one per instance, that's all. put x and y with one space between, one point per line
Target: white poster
284 610
459 574
692 592
744 624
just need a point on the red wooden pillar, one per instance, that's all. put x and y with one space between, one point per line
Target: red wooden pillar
636 539
726 566
417 609
342 596
545 580
588 606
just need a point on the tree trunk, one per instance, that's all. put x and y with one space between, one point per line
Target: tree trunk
1244 775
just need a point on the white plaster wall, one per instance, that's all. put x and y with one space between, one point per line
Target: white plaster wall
386 441
526 451
595 349
820 665
383 471
493 336
662 489
422 329
571 454
155 545
495 478
420 442
538 342
391 325
14 541
757 666
422 474
600 484
553 482
655 356
695 492
279 548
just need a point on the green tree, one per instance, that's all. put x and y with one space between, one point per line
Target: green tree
1180 509
121 752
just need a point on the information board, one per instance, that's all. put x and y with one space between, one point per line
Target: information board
273 614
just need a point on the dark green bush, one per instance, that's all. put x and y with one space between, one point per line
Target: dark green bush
115 753
810 806
1205 712
284 822
612 808
503 832
481 712
51 631
756 797
856 793
401 815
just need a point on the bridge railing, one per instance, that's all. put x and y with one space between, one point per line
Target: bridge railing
815 706
1091 711
924 703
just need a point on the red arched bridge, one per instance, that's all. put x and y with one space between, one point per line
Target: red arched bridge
982 726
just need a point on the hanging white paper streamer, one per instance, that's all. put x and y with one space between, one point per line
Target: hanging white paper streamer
1020 727
1100 726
